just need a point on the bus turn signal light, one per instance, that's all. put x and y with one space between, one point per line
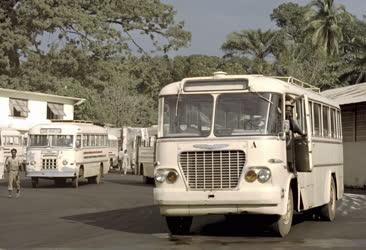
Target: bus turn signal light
250 176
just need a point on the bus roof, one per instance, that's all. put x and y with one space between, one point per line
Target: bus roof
9 131
68 128
257 83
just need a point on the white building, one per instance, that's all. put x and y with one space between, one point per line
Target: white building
24 109
352 100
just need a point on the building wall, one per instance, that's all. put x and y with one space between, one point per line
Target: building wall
354 164
37 114
354 144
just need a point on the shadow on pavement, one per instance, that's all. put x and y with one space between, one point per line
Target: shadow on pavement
147 220
128 182
142 220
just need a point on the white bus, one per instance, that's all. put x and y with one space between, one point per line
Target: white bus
10 138
226 146
67 150
113 151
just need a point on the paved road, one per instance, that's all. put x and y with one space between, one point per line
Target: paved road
120 214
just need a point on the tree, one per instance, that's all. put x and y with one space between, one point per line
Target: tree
101 28
253 44
325 24
289 17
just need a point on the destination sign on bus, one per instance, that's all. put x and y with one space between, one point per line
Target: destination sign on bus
50 131
215 85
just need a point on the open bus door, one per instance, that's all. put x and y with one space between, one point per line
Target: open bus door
304 162
303 145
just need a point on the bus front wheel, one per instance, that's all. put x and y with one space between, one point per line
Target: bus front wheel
179 225
282 225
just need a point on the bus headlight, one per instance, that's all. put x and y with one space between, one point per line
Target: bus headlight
172 176
250 176
264 174
64 162
160 175
168 175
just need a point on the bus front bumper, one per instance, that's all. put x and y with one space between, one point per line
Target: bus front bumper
177 202
51 173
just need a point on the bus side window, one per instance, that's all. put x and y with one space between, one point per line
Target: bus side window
339 124
311 117
333 123
299 115
317 121
325 121
78 141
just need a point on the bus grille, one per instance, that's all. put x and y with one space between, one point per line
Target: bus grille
212 170
49 163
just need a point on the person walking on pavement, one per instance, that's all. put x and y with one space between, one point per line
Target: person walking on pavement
125 162
13 165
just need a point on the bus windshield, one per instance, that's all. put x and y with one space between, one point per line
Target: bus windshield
51 140
187 115
248 114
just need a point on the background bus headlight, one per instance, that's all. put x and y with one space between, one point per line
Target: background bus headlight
64 162
264 174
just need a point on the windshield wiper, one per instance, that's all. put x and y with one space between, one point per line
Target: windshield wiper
259 95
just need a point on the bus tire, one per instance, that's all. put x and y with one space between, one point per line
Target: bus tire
75 182
328 211
282 225
179 225
34 182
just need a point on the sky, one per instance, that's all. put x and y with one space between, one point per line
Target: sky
210 21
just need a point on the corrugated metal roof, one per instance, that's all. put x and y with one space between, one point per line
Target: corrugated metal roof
347 95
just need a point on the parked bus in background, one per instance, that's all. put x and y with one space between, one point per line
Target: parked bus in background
10 138
237 144
145 156
67 150
113 151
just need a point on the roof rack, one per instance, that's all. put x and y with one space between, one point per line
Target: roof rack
297 82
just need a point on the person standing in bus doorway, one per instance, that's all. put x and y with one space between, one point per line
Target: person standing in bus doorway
125 162
13 166
294 129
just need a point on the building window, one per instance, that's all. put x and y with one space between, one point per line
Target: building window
18 107
55 111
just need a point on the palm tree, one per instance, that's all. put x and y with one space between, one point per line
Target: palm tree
325 19
253 43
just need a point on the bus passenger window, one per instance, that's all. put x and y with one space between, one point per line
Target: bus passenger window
311 117
317 131
78 141
325 121
333 123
